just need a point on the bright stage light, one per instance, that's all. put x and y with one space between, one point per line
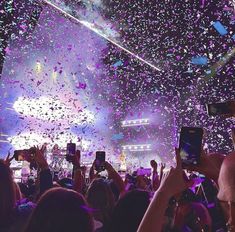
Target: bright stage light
38 67
137 147
136 122
27 140
54 75
50 109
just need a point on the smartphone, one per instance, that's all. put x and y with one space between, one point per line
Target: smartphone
25 154
190 145
20 155
70 151
221 108
100 161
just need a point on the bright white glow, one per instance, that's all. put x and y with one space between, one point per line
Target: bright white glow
3 135
85 144
27 140
137 147
50 109
85 116
38 67
136 122
54 75
100 33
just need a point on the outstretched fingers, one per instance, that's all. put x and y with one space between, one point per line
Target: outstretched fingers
178 159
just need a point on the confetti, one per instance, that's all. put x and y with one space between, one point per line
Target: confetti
91 85
199 60
220 28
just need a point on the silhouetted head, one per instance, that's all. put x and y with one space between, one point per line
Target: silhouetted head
100 197
60 210
7 193
129 211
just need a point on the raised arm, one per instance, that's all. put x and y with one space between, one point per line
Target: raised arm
112 174
8 159
45 176
92 174
78 173
171 184
155 178
209 165
163 165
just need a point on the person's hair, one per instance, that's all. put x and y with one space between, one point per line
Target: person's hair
129 211
101 199
60 210
192 215
7 194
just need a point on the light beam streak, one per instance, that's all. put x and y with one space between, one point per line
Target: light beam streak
89 26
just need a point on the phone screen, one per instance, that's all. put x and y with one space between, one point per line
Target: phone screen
100 161
222 108
190 145
71 149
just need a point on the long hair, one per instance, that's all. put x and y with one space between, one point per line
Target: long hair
7 194
129 211
60 210
101 199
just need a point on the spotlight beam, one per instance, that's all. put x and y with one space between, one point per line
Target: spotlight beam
87 25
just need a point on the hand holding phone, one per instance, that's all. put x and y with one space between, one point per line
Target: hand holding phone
26 154
190 145
222 108
100 161
71 151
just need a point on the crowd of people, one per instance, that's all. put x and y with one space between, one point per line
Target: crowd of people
198 198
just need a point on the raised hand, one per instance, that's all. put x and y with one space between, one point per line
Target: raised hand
8 159
92 174
172 181
76 159
108 167
163 166
39 157
171 184
209 165
154 165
